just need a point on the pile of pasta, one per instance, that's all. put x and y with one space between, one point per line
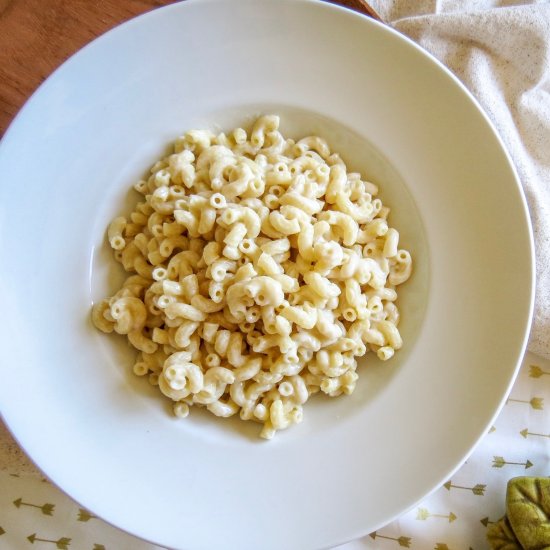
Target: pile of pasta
259 270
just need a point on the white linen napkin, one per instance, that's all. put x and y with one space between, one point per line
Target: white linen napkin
500 49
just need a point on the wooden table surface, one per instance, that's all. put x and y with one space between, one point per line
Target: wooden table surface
36 36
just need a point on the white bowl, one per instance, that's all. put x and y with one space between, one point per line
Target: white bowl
67 162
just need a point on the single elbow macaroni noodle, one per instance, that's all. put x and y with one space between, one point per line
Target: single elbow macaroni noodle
259 270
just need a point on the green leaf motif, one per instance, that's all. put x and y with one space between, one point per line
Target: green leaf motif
32 538
1 531
498 461
501 536
528 510
18 502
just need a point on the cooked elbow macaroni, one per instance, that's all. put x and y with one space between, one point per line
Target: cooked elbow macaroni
260 269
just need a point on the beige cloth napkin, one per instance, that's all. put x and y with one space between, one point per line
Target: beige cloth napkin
500 49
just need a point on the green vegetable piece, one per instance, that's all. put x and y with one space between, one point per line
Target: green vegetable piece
501 536
528 511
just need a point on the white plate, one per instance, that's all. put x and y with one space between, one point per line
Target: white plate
106 437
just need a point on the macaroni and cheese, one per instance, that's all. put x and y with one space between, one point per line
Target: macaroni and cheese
259 270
